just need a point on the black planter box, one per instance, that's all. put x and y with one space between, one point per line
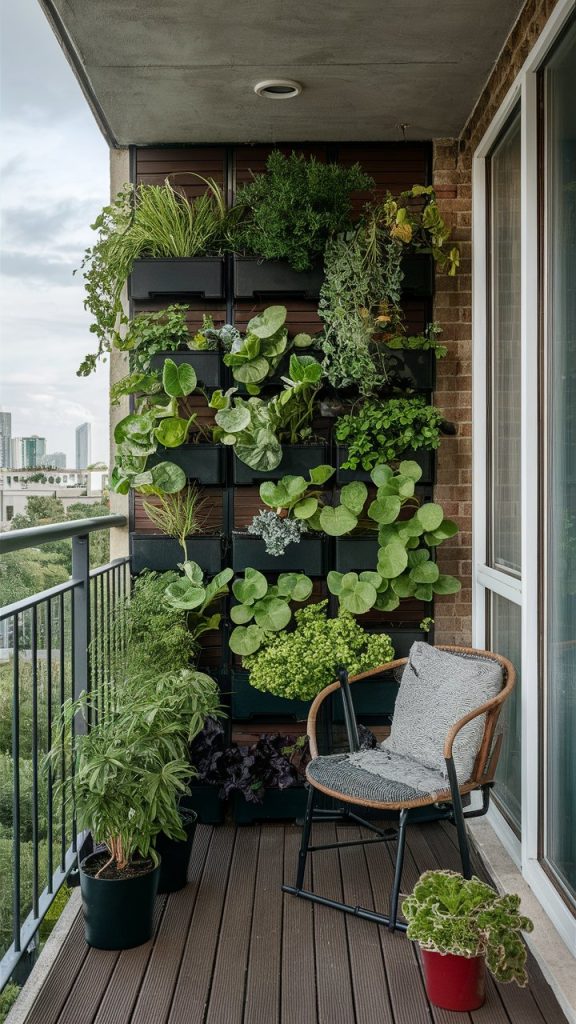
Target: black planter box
204 800
254 277
202 462
197 277
418 280
208 365
426 461
297 460
373 699
402 639
307 556
277 805
411 368
162 554
357 554
248 702
175 855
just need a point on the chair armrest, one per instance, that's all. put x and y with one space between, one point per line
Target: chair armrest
321 697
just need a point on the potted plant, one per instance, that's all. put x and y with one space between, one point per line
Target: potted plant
181 520
150 338
463 925
411 359
286 216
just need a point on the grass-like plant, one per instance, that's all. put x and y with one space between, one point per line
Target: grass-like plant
447 913
178 515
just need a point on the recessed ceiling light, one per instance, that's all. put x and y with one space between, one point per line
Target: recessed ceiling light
278 89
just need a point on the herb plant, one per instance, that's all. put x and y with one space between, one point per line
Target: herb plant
447 913
148 334
263 608
381 431
291 210
301 663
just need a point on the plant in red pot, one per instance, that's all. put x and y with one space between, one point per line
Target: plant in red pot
462 926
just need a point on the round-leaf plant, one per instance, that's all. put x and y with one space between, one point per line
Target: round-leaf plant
263 608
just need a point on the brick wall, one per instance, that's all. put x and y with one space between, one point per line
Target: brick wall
453 310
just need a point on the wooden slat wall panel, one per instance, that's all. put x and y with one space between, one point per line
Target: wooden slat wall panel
212 513
153 166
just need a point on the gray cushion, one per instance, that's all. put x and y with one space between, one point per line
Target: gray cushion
340 773
437 689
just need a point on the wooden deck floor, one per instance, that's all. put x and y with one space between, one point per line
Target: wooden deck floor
231 949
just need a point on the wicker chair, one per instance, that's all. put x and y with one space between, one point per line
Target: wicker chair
444 804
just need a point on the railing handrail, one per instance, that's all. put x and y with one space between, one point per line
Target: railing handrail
35 536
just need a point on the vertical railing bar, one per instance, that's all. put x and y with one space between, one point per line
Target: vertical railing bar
16 784
35 838
73 695
102 645
50 776
62 695
113 629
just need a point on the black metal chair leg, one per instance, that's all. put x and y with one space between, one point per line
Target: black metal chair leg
458 814
394 896
305 837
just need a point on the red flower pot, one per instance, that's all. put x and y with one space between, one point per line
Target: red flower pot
454 982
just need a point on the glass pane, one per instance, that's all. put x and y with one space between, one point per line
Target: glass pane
505 638
504 389
560 832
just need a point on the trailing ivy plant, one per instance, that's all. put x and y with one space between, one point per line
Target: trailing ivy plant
447 913
291 210
382 431
404 567
263 608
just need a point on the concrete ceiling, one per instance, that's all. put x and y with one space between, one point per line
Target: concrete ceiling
169 71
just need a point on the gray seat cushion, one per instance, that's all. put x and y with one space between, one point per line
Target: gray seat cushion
437 689
406 780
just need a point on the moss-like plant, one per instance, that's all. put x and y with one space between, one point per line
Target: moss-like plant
382 431
447 913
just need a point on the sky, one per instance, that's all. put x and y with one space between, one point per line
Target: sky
53 183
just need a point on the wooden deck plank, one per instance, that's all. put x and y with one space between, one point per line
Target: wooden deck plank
195 974
298 997
333 977
264 959
94 976
226 1005
54 992
371 996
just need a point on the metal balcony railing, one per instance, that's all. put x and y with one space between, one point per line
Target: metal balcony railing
55 645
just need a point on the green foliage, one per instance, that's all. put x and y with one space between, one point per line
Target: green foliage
267 604
157 635
447 913
178 515
381 431
256 356
301 663
148 334
293 496
295 206
427 342
146 221
26 784
8 997
190 594
26 883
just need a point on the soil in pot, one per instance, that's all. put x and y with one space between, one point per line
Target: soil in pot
118 909
454 982
175 855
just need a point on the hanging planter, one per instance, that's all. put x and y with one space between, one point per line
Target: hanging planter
256 278
308 555
418 269
163 554
248 702
196 277
297 460
204 463
206 363
426 461
118 912
175 854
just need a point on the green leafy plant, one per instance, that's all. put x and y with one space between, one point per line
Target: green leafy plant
427 342
263 608
156 633
300 663
447 913
404 567
257 428
178 515
147 334
256 356
295 206
189 593
144 221
381 431
301 499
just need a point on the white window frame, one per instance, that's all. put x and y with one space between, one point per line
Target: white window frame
523 591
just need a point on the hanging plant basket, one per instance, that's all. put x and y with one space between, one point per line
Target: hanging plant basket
163 554
197 277
426 461
411 369
277 805
250 703
255 278
205 463
208 365
308 555
297 460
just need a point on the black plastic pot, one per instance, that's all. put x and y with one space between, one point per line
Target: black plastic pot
202 462
418 280
373 699
118 912
356 554
410 368
307 556
197 277
206 803
297 460
208 365
162 554
248 702
175 855
277 805
255 278
426 461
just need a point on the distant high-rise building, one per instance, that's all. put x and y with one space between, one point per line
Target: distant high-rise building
5 439
16 449
31 451
83 446
54 460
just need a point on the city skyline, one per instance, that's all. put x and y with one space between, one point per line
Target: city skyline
31 450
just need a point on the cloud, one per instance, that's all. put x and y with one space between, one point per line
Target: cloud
29 267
